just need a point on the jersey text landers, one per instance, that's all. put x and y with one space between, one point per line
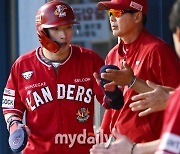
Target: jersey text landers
63 92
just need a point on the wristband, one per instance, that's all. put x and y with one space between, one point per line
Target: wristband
132 82
133 146
12 122
12 119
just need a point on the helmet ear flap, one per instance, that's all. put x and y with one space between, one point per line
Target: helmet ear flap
47 42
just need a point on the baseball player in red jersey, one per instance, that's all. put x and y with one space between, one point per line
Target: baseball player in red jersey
55 87
170 138
170 135
149 57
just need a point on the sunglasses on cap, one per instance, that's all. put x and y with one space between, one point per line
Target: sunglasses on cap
118 13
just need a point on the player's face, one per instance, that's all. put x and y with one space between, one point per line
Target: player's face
124 25
62 35
176 39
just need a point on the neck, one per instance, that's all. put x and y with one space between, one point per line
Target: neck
131 37
58 56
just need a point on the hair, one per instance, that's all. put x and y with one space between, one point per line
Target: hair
144 20
47 32
174 18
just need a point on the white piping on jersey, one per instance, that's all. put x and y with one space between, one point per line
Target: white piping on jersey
37 55
124 50
68 56
13 109
48 65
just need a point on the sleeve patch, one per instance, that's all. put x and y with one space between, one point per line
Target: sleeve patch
170 142
8 102
9 92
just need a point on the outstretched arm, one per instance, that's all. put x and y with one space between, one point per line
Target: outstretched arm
125 77
125 146
152 97
152 101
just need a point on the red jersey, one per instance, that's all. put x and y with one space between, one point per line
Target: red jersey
170 135
59 107
151 59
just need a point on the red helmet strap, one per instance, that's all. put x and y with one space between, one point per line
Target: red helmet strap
46 42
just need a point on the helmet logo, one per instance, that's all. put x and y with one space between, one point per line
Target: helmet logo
38 19
60 10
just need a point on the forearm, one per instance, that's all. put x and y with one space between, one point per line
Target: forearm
168 89
140 86
12 118
146 148
6 116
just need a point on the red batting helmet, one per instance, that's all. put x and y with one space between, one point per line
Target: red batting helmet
53 14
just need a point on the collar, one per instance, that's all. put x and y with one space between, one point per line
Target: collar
39 57
127 49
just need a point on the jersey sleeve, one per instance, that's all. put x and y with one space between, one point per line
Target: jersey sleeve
11 101
98 63
105 125
171 128
165 65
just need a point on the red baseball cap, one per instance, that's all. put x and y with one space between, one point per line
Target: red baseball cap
140 5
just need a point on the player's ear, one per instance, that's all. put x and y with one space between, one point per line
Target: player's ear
138 17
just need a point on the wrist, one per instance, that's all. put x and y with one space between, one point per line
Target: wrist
131 84
13 121
133 148
13 125
138 149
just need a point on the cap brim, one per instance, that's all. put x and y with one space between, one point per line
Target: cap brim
110 5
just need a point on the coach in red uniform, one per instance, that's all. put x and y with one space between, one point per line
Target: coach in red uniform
149 57
54 85
170 134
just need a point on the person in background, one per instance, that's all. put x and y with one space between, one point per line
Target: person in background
169 142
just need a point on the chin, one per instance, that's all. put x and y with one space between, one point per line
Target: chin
115 33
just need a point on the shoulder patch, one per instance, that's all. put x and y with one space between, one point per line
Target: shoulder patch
9 92
8 102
